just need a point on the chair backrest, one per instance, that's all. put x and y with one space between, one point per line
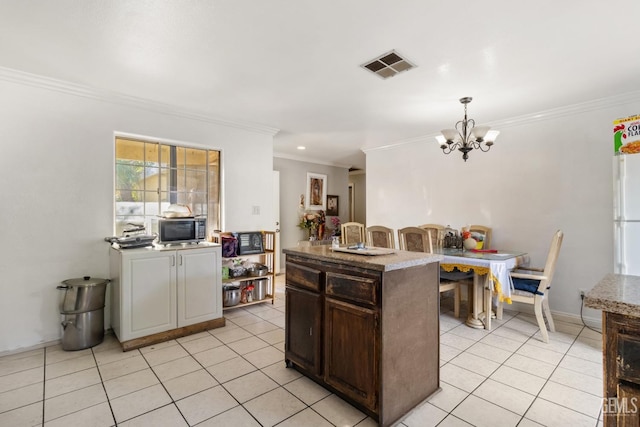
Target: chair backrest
550 265
415 239
486 233
437 233
351 233
380 237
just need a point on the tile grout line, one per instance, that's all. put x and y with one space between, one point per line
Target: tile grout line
487 378
113 415
554 370
44 380
522 417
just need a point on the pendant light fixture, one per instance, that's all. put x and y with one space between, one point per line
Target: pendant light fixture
467 136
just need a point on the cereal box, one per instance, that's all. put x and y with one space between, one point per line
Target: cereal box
626 135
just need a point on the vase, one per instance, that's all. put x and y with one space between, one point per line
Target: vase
313 234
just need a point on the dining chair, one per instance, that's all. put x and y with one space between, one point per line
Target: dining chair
466 279
381 237
531 286
484 231
437 233
417 239
351 233
450 279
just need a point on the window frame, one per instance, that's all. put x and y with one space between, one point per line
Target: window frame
174 191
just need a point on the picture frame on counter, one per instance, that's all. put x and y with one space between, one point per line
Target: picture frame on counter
316 191
332 205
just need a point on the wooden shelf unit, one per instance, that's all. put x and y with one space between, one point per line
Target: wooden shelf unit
268 258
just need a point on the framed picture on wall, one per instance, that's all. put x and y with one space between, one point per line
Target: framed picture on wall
332 205
316 191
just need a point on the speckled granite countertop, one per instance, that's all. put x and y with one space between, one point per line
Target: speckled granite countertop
616 293
395 261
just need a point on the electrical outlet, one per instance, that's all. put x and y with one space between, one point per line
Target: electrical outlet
582 293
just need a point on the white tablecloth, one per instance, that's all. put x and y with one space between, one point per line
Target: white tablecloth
498 265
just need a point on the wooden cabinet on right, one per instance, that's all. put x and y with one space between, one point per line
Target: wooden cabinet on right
621 406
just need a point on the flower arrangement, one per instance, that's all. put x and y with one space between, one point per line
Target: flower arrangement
336 225
312 221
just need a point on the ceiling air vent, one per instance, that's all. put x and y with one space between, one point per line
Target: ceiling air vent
388 65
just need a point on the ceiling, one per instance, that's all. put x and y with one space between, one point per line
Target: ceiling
295 65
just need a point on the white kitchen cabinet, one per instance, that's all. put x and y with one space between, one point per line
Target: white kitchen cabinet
199 285
160 290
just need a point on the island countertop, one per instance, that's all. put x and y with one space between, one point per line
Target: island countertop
616 293
395 261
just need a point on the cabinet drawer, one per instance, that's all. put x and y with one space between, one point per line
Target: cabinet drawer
628 358
302 276
354 288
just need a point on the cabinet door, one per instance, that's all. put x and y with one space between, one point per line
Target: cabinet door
351 351
148 295
628 406
303 329
199 285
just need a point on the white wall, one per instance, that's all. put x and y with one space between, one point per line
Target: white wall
544 175
293 178
56 176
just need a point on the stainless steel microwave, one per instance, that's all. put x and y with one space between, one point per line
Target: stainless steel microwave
181 230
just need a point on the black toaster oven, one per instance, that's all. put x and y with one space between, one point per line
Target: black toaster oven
249 242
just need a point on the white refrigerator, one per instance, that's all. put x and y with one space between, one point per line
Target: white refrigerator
626 216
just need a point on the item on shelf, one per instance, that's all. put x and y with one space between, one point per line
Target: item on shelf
243 295
249 242
236 267
249 292
257 269
231 295
229 246
259 289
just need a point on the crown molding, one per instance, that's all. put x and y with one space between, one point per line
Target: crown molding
569 110
74 89
307 160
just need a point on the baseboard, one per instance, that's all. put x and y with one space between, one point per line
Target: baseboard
41 345
31 348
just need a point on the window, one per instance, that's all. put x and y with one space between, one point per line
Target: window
149 176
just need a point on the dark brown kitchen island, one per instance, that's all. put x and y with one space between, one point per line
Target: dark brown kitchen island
618 296
365 327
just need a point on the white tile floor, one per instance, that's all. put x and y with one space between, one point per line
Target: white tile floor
235 376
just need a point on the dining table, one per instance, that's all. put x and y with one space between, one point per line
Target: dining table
491 279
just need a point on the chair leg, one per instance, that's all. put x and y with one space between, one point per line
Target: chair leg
499 309
537 307
547 313
456 301
487 308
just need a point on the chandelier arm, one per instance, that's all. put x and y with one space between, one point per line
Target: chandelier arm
488 147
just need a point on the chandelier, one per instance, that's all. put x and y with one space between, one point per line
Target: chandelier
467 136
